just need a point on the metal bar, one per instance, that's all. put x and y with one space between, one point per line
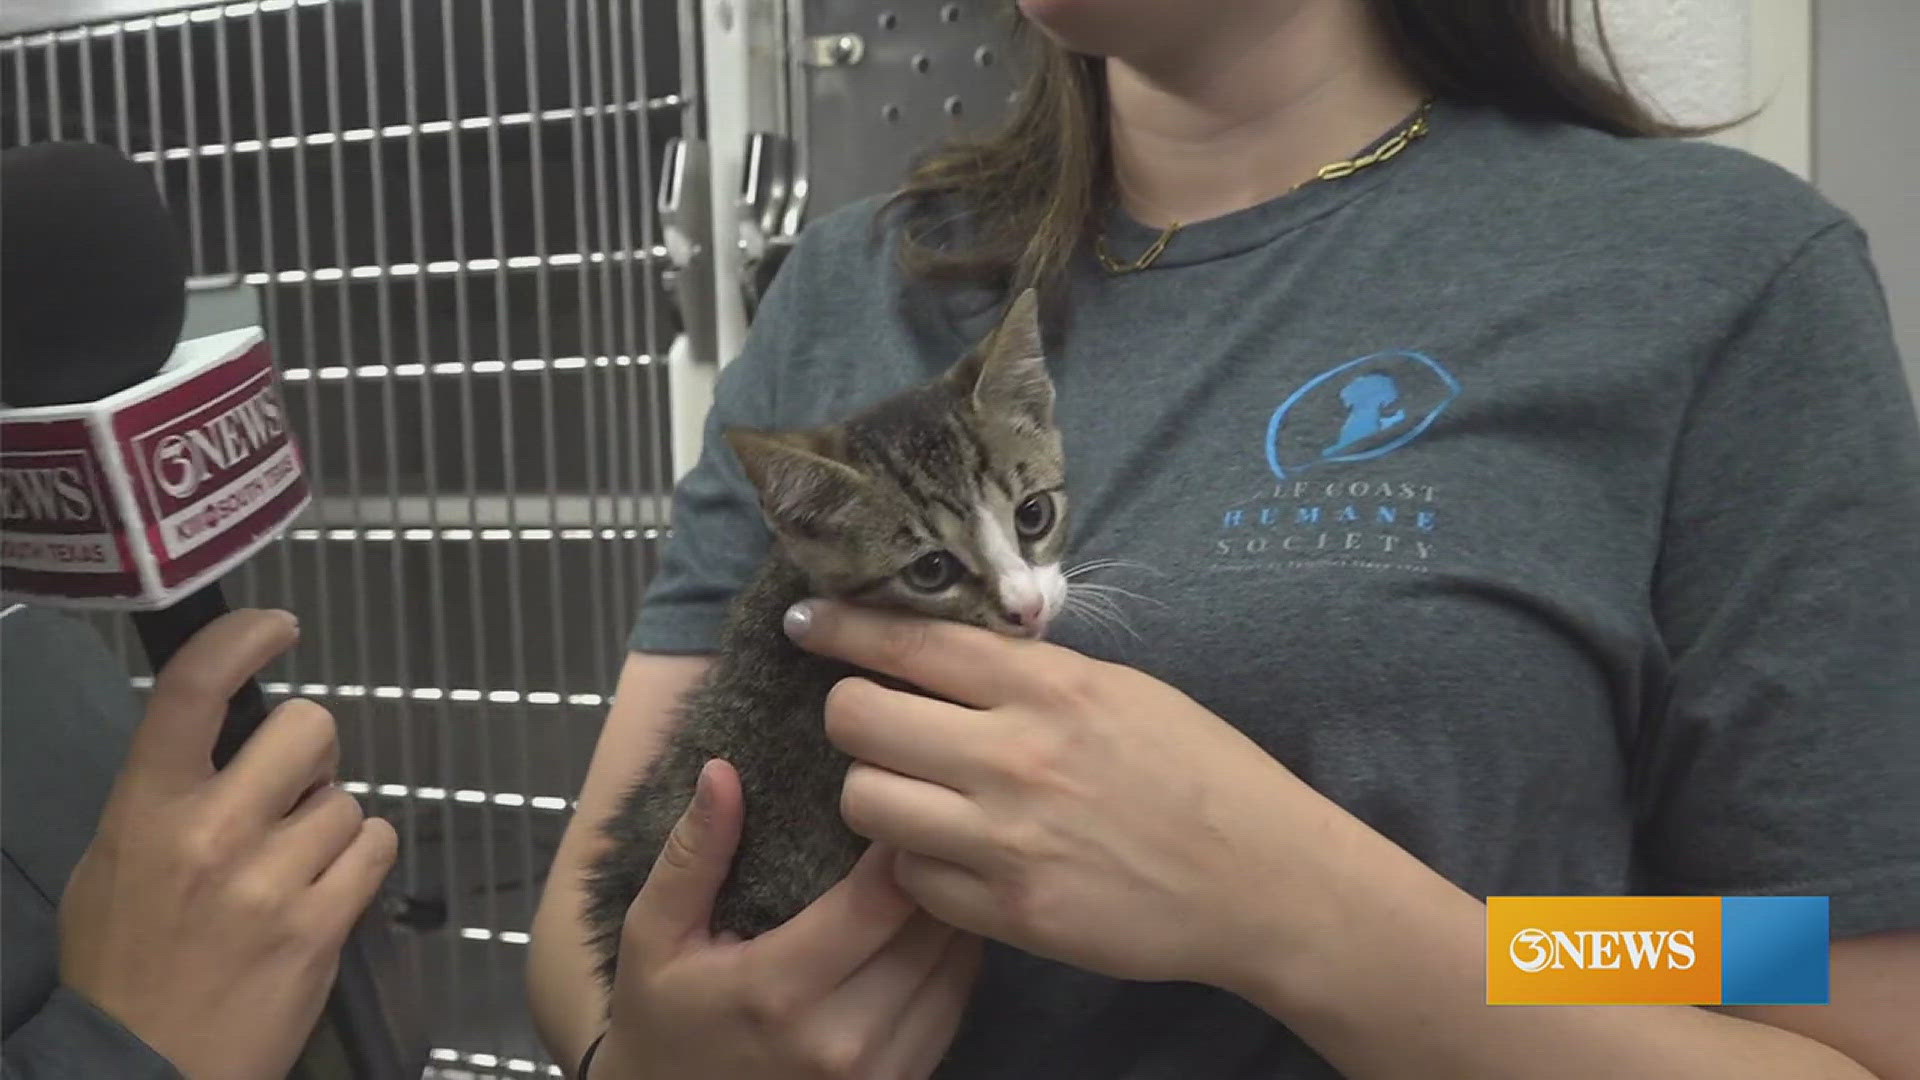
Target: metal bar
443 268
504 937
524 365
730 69
22 100
143 23
436 565
316 450
190 121
654 482
434 558
503 345
55 131
356 550
230 228
123 139
437 511
398 587
155 132
686 14
489 74
589 414
628 471
410 693
484 1061
470 796
603 400
524 534
372 134
88 131
463 350
619 428
223 77
121 122
270 311
549 412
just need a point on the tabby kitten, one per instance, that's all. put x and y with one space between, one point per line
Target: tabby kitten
946 501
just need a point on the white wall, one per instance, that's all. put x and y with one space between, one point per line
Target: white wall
1837 81
1866 140
1692 58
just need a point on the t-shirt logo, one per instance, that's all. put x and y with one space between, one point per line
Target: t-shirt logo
1358 410
1378 516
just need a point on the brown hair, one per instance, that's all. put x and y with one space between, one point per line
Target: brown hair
1030 191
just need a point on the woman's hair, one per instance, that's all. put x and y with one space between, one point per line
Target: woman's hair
1029 192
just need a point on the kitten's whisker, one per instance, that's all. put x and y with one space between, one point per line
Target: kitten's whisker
1119 621
1101 611
1107 596
1105 589
1092 599
1100 622
1094 565
1087 609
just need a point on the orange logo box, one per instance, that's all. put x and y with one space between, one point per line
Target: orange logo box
1603 950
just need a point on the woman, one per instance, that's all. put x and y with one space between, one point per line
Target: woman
1534 506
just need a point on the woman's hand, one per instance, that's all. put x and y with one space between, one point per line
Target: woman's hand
861 984
1072 808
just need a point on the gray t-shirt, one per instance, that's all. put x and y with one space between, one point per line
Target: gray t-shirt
1549 500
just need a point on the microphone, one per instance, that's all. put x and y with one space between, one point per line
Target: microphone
135 470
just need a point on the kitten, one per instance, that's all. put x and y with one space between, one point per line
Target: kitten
946 501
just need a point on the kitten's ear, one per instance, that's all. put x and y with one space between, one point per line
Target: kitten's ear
1009 370
800 486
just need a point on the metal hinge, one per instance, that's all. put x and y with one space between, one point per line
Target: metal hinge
834 50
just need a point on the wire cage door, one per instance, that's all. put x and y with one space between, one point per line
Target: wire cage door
443 211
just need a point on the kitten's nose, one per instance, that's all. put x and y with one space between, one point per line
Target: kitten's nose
1027 615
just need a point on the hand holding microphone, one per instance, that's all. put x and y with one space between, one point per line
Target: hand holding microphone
208 914
214 910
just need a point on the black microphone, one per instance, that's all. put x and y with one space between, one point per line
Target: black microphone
93 287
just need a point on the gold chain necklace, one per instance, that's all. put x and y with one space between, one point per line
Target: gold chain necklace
1336 170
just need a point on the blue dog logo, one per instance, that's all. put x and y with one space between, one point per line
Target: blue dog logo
1358 410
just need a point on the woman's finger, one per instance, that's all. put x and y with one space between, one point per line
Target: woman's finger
816 950
913 734
949 892
928 1021
914 815
676 901
873 997
961 663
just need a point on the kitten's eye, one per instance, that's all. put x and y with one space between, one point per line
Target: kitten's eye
1034 516
932 572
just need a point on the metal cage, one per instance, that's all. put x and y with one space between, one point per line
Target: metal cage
445 210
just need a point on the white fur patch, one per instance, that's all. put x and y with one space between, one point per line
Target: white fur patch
1035 592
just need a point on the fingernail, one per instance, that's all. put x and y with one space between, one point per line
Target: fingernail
798 620
703 792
